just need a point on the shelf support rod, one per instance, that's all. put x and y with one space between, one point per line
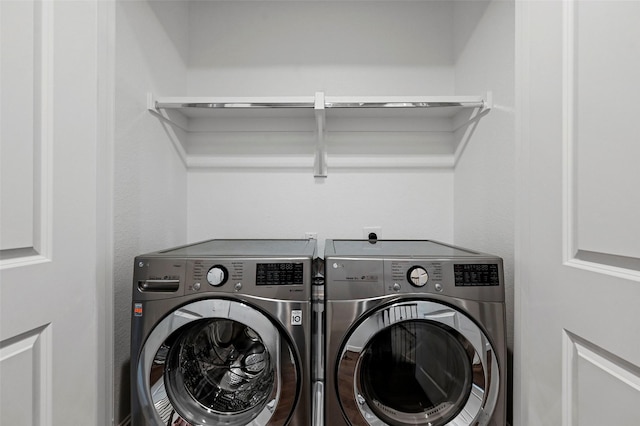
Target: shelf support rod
152 107
320 161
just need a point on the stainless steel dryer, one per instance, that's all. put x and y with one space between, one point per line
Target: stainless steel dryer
221 334
415 335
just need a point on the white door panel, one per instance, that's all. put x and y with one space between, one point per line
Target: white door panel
50 338
26 382
602 54
578 348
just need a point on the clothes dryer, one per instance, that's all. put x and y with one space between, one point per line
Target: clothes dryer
415 335
221 334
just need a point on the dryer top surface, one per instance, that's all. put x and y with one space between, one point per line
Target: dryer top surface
398 248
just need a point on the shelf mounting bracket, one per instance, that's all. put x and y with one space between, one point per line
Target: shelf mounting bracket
152 107
320 161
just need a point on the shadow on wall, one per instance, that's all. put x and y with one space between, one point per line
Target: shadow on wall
124 398
465 24
175 30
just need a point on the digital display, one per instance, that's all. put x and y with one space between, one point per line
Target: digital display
476 275
279 274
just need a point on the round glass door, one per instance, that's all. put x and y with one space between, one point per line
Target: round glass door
415 371
224 368
220 366
417 363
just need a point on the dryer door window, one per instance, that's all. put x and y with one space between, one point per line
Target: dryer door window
414 370
217 362
417 363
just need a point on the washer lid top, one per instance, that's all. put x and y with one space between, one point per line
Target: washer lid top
399 248
244 248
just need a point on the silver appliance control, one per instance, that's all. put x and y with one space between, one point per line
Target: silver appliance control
418 276
217 275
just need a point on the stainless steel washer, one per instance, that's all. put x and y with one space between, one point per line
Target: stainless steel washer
415 335
221 334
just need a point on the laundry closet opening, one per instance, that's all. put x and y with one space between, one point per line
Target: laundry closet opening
408 172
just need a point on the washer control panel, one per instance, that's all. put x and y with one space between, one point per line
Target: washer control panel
268 277
281 273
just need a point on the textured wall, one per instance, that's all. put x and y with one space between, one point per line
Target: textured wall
260 48
150 179
342 48
484 201
412 204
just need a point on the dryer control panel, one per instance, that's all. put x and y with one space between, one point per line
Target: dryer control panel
479 280
476 274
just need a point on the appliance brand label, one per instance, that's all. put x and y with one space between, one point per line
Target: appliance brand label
296 317
363 278
137 309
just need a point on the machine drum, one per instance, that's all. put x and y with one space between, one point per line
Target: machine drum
222 365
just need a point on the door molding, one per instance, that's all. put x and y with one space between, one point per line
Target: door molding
574 256
41 217
580 354
34 351
106 51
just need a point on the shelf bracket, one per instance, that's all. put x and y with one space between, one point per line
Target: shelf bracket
320 161
152 107
487 103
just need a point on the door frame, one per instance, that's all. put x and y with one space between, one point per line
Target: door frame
105 57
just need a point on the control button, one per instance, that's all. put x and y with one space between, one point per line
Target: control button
417 276
196 286
438 287
217 275
237 287
396 287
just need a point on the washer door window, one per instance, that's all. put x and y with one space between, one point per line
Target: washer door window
417 363
216 362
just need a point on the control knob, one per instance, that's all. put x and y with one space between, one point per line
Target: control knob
217 275
418 276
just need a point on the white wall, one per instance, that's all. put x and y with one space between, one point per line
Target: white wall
262 204
150 179
484 204
342 48
262 48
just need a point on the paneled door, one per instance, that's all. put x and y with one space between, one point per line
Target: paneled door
578 249
52 247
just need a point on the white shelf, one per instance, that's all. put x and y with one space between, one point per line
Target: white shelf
358 131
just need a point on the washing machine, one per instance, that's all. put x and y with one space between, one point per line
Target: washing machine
415 335
221 334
